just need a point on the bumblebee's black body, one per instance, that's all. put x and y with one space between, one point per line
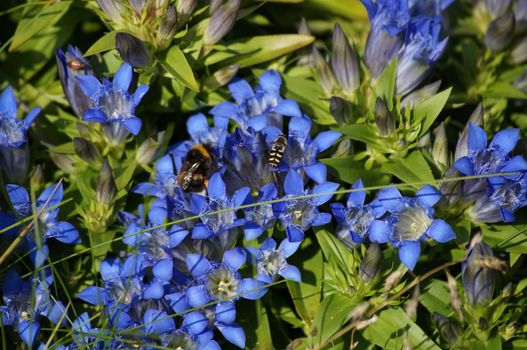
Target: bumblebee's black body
196 170
277 151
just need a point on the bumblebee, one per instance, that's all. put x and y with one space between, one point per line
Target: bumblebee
277 151
76 65
196 170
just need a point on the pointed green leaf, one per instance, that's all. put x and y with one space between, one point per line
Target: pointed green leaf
105 43
413 168
349 170
427 111
175 63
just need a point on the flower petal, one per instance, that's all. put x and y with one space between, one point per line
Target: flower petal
201 231
197 125
123 77
139 94
252 230
163 269
270 81
28 331
477 138
226 312
198 265
316 172
464 165
178 301
428 196
287 247
391 199
440 231
292 273
249 288
92 295
216 188
294 234
240 90
289 108
132 124
8 102
380 231
89 85
176 235
357 198
94 115
65 232
233 333
158 322
299 128
197 295
325 139
325 190
195 322
31 116
409 252
506 140
293 184
234 258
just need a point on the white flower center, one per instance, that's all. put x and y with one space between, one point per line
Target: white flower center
411 224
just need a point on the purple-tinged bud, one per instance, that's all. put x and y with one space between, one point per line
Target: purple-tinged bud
168 27
324 73
221 22
113 9
462 142
521 82
341 110
221 77
150 149
345 62
500 32
419 95
87 151
440 152
305 56
132 50
519 52
70 65
520 15
65 162
449 330
478 279
14 163
497 8
184 9
383 118
370 266
105 189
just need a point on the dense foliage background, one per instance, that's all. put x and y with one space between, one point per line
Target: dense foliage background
393 218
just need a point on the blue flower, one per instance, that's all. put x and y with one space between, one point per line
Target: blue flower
218 199
421 51
271 261
259 108
13 131
113 106
429 7
302 151
165 181
25 302
356 218
298 215
70 65
409 221
479 280
261 217
389 19
49 226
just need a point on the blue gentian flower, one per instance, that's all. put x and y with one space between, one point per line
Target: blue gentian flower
71 64
113 105
259 108
222 282
49 226
389 19
14 153
271 261
298 215
25 302
355 218
165 180
421 51
217 200
429 7
409 221
302 151
261 217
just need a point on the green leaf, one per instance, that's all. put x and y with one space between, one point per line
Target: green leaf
308 94
105 43
35 19
386 84
258 49
502 89
436 297
363 133
491 344
253 318
335 310
427 111
351 9
509 238
390 329
306 295
413 168
175 63
349 170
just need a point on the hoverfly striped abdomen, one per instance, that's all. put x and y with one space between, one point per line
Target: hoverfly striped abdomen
277 151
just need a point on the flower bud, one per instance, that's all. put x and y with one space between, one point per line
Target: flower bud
221 23
521 82
383 118
149 149
440 152
37 179
324 73
519 52
132 50
221 77
341 110
345 63
14 163
500 32
371 263
87 151
497 8
448 330
520 15
478 280
168 27
184 9
113 9
105 189
462 142
70 65
65 162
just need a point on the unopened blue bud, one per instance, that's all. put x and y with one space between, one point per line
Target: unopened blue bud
113 9
497 8
14 163
345 62
105 188
384 118
341 110
478 280
519 53
448 330
184 9
500 32
371 263
221 23
132 50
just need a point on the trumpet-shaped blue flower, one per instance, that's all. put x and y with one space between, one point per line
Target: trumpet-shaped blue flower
165 181
421 51
299 214
355 219
49 226
13 131
302 151
271 260
409 221
261 217
258 108
218 200
389 20
113 105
